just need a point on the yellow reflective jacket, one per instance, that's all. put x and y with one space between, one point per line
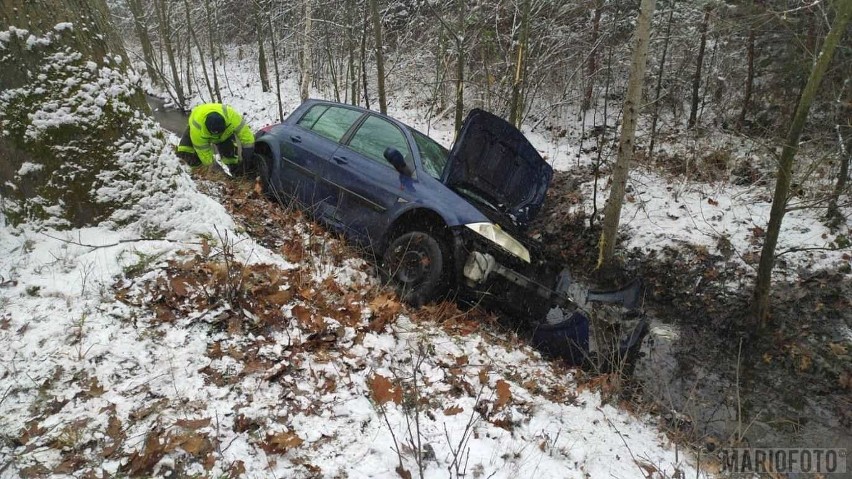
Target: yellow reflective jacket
203 140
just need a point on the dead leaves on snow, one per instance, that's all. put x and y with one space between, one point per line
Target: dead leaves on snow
383 390
504 394
385 310
158 443
183 438
193 424
453 410
280 443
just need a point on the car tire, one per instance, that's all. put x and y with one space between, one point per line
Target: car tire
262 167
415 264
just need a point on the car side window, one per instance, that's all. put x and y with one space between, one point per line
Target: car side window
329 121
375 135
311 117
432 155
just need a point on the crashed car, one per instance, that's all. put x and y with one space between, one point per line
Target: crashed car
435 220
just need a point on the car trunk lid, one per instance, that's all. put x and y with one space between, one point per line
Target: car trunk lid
494 160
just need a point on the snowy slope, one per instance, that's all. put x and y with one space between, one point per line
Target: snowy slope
96 378
204 352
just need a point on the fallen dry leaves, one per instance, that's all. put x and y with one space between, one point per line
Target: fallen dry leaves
382 390
504 394
280 443
453 410
385 309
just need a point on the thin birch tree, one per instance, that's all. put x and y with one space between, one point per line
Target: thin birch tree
659 87
307 61
699 64
785 162
216 88
163 16
141 26
516 101
380 57
261 54
632 104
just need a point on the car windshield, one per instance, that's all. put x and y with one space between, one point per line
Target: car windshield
433 155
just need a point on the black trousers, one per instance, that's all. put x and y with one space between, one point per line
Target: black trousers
226 148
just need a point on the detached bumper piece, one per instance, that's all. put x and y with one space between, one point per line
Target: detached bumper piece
567 339
621 333
570 340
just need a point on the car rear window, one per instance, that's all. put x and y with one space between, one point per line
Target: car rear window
376 134
331 122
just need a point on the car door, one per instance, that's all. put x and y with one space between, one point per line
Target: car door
370 189
308 146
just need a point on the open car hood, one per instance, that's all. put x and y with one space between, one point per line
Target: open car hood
493 160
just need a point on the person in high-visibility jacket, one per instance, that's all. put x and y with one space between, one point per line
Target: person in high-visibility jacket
219 125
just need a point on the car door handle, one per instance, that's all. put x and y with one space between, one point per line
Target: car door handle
296 139
340 159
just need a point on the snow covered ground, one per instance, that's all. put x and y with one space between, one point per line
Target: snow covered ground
191 349
91 383
115 358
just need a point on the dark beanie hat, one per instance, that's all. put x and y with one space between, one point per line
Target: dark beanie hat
215 123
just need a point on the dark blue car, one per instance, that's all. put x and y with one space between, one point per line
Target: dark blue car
436 220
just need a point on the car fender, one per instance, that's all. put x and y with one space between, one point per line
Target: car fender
452 218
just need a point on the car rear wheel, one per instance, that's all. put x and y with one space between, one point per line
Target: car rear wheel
414 262
262 166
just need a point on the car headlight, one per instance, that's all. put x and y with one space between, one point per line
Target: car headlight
495 234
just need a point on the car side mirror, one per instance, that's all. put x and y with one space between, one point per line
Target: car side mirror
396 160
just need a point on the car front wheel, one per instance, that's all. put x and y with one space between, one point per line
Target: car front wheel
414 262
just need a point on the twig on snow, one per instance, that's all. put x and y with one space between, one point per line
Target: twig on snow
119 242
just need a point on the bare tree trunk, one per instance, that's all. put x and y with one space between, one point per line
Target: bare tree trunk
219 43
261 57
699 62
844 145
749 78
380 56
596 170
277 70
364 61
785 166
141 27
166 34
460 59
307 62
216 89
198 47
593 57
331 68
658 89
187 74
441 69
352 75
632 103
833 213
487 53
516 103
